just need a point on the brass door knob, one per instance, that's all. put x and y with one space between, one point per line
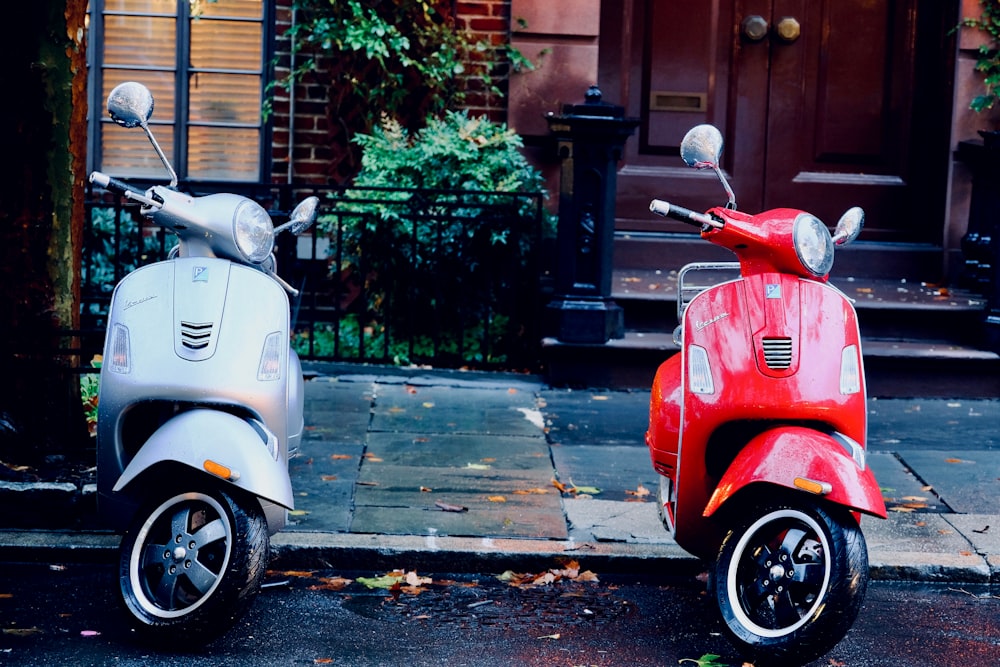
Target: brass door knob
755 27
788 29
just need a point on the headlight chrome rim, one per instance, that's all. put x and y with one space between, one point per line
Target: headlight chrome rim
253 231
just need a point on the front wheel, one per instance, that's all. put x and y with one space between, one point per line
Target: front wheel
789 581
191 565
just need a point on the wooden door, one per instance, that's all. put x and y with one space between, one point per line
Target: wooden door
824 104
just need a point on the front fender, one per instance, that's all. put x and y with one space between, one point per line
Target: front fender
195 436
782 455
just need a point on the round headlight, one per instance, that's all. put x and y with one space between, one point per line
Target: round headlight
813 244
253 231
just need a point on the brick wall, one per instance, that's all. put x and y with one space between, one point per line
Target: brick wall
487 21
320 150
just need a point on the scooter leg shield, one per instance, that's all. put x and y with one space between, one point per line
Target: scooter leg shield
805 460
220 444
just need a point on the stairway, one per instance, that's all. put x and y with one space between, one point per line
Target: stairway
918 339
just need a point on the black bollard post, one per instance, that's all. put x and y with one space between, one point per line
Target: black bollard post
590 138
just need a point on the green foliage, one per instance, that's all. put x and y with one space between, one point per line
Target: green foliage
452 152
455 202
103 259
344 340
392 54
90 385
988 62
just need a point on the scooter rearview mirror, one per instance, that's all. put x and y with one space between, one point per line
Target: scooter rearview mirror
701 147
130 104
849 226
302 217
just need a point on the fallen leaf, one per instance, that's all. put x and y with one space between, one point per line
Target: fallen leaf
476 466
488 459
530 492
291 573
386 581
341 457
331 584
323 661
428 404
328 478
297 512
424 489
496 499
413 579
600 397
641 492
559 485
440 504
370 456
21 632
512 391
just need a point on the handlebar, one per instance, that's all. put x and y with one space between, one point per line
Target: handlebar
668 210
124 189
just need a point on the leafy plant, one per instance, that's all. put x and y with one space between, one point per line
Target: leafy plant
90 385
988 62
390 54
452 204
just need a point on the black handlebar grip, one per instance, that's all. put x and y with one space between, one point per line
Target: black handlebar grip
113 184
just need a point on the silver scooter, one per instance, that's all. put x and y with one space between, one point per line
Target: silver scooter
200 405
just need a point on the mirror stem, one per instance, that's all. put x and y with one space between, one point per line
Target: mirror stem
163 158
729 190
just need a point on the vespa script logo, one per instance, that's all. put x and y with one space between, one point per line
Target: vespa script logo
138 302
702 324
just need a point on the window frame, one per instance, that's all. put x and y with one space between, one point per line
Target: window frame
183 72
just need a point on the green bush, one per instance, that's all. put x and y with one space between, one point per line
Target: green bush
466 227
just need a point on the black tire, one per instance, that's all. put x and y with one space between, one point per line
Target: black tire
789 581
191 565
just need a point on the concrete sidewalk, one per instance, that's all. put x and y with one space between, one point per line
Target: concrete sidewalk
459 471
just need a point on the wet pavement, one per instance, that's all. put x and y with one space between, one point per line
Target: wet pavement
457 470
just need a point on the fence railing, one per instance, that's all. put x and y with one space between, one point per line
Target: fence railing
394 276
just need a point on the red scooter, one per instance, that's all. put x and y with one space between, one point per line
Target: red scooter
758 427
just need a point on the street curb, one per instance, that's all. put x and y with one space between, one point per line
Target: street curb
350 551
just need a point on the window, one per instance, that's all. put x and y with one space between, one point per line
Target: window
203 60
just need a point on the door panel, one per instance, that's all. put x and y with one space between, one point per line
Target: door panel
852 111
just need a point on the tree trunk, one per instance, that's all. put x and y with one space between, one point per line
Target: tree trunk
43 138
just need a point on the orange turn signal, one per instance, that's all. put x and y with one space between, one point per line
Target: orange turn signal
220 470
812 486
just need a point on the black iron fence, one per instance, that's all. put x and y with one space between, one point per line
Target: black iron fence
393 276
